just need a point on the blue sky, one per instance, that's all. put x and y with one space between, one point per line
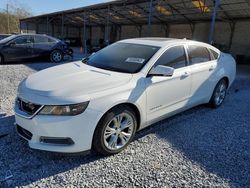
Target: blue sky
46 6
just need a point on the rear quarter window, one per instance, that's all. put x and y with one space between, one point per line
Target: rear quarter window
215 54
41 39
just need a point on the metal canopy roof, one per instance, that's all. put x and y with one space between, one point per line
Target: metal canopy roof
130 12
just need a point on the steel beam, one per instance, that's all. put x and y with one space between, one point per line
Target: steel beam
127 18
147 12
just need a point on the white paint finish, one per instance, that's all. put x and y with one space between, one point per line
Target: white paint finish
155 97
163 92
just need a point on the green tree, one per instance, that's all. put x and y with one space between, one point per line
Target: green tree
16 11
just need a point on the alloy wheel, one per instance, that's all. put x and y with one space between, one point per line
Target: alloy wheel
118 131
220 93
57 56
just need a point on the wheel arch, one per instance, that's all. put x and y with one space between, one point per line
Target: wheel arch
132 107
226 79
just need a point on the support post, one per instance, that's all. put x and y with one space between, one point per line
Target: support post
84 35
232 26
192 27
150 16
167 30
107 28
120 32
27 27
62 31
211 34
37 28
53 29
47 25
140 31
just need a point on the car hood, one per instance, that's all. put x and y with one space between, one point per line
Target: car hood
71 80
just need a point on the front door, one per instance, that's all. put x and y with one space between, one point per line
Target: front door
168 94
19 48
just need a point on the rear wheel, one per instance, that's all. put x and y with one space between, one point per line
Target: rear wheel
115 131
219 94
56 56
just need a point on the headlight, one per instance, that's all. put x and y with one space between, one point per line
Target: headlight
65 110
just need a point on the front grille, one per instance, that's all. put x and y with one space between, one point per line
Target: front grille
24 133
27 107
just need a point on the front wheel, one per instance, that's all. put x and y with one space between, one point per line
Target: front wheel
56 56
219 94
115 131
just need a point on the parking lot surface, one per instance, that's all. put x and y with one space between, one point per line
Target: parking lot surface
201 147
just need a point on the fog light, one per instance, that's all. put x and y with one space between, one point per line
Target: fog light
58 141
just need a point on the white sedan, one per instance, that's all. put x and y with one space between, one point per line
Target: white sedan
102 101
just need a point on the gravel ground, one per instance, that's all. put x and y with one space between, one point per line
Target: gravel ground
201 147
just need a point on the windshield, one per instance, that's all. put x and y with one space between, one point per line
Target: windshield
122 57
7 39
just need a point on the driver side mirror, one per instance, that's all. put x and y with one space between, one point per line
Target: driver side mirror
161 70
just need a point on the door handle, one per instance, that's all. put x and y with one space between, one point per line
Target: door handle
185 74
211 68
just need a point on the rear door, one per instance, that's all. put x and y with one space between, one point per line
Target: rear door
43 45
20 48
202 66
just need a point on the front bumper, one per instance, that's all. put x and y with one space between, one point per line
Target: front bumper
79 129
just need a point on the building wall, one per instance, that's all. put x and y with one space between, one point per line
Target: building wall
129 32
241 41
180 31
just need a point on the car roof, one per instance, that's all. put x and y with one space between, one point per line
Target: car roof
164 42
33 34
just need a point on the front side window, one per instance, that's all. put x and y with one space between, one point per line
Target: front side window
122 57
174 57
23 40
198 54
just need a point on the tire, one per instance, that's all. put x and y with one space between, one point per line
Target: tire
109 137
56 56
219 94
1 59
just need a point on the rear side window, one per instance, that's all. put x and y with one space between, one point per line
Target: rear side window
198 54
173 57
41 39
